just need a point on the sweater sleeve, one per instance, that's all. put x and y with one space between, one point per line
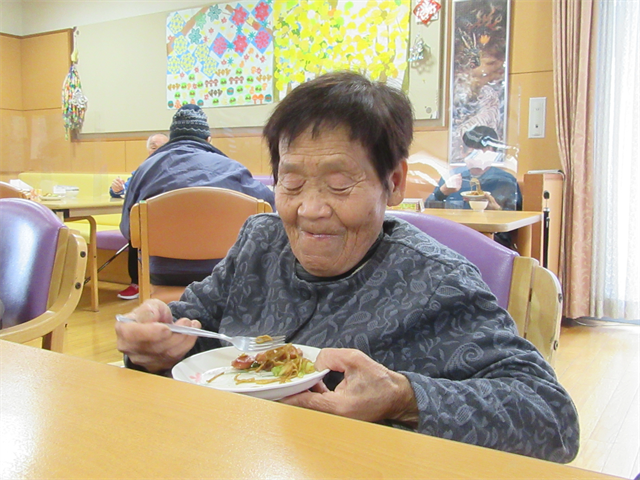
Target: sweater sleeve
437 193
486 385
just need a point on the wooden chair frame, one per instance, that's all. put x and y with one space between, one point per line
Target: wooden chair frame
65 291
195 223
535 304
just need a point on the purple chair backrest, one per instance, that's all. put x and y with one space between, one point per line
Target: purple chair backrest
28 242
264 179
494 261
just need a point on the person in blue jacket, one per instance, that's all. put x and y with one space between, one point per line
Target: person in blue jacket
187 160
118 189
119 186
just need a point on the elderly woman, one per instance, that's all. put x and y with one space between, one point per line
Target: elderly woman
415 335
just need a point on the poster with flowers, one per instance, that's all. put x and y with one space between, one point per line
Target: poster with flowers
319 36
220 55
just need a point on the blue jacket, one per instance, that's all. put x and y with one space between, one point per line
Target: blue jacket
187 162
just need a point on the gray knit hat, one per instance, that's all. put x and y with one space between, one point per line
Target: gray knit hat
189 121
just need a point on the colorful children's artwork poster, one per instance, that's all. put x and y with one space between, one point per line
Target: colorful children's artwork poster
220 55
255 52
314 37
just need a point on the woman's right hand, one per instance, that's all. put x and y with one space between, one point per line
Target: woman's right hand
117 186
150 344
452 185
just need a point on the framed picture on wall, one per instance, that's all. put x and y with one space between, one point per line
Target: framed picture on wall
479 65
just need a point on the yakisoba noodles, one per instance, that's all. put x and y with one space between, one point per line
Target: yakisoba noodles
263 339
474 182
285 363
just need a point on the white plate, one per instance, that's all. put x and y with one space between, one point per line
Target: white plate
51 197
203 366
469 195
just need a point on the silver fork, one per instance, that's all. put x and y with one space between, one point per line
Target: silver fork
244 344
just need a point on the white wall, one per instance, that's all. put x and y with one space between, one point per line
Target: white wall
11 17
28 17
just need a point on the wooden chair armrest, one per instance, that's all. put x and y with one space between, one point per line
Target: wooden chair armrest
49 323
520 292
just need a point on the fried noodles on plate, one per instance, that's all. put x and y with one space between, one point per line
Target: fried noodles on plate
285 363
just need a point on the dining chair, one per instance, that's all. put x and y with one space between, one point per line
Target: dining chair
99 239
111 240
41 277
9 191
530 293
545 313
195 223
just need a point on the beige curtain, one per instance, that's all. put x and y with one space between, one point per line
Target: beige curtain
574 83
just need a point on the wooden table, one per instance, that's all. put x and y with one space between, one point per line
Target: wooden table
493 221
68 208
83 208
64 417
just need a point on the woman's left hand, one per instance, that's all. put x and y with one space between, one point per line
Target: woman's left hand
493 205
369 390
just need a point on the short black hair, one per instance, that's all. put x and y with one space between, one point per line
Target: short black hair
378 116
476 137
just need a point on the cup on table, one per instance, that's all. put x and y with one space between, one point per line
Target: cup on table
478 205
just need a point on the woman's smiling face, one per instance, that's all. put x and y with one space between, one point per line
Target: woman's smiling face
331 200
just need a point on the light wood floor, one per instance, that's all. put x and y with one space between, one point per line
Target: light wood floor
599 365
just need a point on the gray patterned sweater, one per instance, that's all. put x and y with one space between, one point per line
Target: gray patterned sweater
416 307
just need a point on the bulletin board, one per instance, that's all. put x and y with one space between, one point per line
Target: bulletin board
124 64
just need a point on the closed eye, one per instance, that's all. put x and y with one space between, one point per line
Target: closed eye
291 183
341 190
339 183
291 190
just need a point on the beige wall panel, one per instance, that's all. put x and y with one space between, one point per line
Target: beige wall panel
46 149
535 153
435 142
5 177
135 154
13 139
265 159
531 41
10 73
245 150
45 64
98 157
